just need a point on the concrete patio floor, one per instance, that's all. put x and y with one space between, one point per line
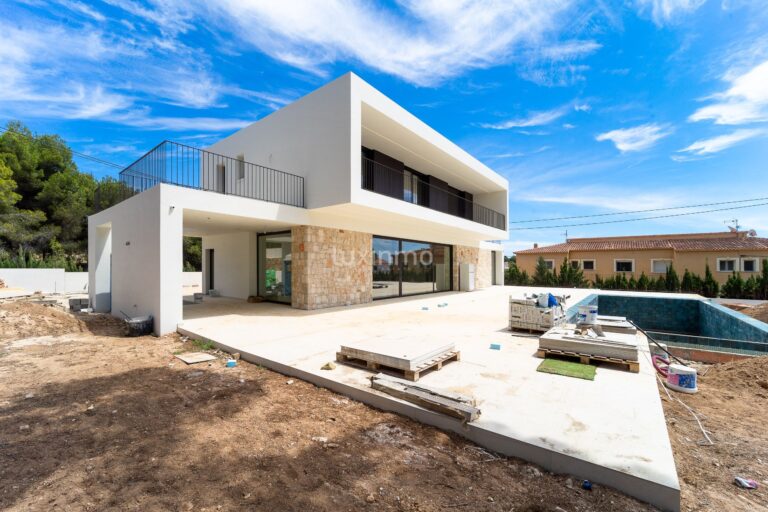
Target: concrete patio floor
611 430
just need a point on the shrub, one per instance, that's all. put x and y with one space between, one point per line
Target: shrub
709 287
671 281
542 275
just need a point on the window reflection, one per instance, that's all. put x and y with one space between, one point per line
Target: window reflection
402 267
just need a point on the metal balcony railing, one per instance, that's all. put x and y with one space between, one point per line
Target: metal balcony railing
186 166
394 183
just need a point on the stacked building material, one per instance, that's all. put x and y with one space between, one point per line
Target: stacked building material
526 314
618 324
609 345
78 304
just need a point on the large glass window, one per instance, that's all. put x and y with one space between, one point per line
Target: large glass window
402 267
386 271
275 267
418 268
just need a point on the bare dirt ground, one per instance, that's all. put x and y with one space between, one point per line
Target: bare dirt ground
91 420
760 312
732 403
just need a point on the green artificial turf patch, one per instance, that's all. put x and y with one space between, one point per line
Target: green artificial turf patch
567 368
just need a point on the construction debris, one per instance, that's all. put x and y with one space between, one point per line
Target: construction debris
195 357
446 402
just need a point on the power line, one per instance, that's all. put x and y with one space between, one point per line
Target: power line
640 218
636 211
81 155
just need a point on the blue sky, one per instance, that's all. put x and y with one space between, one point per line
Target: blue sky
586 107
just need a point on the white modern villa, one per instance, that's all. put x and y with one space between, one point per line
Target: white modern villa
340 198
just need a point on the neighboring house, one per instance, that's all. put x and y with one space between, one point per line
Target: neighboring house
725 252
340 198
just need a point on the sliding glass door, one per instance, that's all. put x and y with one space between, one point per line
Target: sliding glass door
275 267
407 267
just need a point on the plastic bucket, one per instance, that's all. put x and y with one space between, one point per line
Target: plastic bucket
587 315
681 378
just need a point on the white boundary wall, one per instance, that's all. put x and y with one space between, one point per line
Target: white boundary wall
189 279
46 280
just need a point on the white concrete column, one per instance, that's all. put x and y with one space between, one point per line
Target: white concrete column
170 308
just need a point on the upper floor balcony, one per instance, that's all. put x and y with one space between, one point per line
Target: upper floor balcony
385 175
185 166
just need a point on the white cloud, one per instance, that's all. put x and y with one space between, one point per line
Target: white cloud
540 118
667 11
719 143
143 118
554 66
76 6
745 101
428 43
62 71
589 196
637 138
170 16
533 119
557 75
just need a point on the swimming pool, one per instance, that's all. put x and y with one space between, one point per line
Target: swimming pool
685 322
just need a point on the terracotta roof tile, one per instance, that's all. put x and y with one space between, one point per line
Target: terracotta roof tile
680 245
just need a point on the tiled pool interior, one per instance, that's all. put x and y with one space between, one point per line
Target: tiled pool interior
692 323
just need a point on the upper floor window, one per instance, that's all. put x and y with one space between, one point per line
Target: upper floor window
410 187
660 266
550 264
588 264
726 264
624 265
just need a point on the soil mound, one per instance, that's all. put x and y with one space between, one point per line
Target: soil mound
24 319
748 375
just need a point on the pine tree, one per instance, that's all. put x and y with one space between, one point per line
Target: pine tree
542 276
514 277
570 276
762 289
671 280
686 285
710 287
643 283
733 287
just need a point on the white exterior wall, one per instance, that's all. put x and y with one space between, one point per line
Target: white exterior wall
318 137
234 264
76 282
309 138
190 279
143 236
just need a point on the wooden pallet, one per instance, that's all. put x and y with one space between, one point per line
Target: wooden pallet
446 402
528 330
412 375
632 366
